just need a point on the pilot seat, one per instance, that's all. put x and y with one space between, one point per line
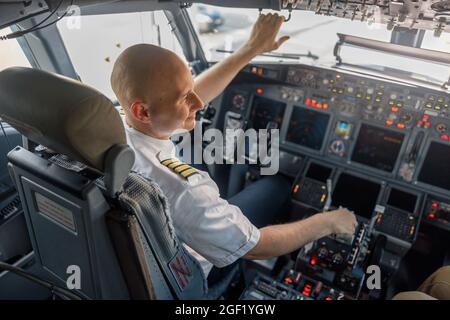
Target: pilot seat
87 213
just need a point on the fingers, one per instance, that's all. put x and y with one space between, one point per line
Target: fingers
282 40
272 18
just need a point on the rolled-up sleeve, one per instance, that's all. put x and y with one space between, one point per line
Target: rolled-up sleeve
212 227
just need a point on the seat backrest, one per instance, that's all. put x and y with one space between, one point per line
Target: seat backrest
86 213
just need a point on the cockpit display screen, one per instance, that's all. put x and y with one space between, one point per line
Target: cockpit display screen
436 167
377 147
307 128
402 200
266 111
356 194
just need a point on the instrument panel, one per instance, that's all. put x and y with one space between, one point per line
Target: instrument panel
397 135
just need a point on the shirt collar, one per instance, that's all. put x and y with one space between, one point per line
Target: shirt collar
164 147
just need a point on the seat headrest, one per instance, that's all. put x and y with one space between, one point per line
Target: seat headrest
62 114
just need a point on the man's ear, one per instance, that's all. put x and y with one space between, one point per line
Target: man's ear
140 111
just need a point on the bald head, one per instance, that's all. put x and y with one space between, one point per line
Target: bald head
156 90
145 72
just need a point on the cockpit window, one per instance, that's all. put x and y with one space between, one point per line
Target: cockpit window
11 54
222 30
94 42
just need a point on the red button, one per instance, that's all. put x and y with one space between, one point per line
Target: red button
445 137
420 122
426 117
427 124
288 280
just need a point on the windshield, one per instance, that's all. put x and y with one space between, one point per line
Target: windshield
225 29
11 54
95 44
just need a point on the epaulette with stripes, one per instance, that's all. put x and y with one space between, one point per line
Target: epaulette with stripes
179 167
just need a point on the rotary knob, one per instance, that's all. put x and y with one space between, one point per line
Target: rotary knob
407 117
337 259
337 147
441 128
322 253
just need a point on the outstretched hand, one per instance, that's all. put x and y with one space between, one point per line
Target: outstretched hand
264 33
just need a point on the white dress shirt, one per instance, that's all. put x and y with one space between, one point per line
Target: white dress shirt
212 230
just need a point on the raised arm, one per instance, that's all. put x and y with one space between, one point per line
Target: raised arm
281 239
213 81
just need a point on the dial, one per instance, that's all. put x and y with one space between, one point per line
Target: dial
337 147
441 128
239 102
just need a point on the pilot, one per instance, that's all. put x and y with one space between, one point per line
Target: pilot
435 287
159 96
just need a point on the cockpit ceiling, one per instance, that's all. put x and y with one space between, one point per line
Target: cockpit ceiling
411 14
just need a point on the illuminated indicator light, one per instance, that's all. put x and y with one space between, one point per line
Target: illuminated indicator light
399 104
431 216
389 122
426 117
307 290
328 298
445 137
420 122
401 126
308 102
259 91
313 261
313 103
319 106
391 103
296 188
338 76
434 205
325 105
437 107
379 219
394 109
427 124
288 280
